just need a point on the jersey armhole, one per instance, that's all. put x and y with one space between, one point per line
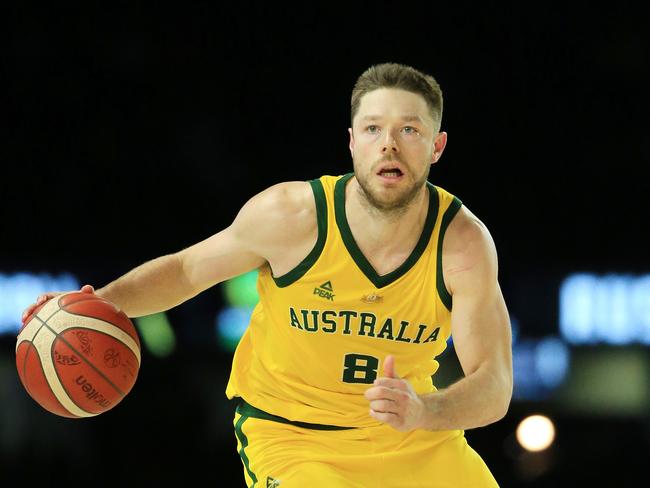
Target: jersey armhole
449 214
321 217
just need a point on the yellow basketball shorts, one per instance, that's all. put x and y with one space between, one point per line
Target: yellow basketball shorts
279 454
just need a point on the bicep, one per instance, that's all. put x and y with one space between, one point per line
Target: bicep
481 328
479 317
218 258
266 226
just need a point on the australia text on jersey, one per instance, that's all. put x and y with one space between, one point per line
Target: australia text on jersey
362 324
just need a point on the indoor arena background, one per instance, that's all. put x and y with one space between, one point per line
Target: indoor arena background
132 131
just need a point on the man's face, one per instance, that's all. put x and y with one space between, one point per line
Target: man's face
393 141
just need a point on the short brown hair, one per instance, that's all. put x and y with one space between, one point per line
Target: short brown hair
393 75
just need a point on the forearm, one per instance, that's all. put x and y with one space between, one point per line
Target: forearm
154 286
477 400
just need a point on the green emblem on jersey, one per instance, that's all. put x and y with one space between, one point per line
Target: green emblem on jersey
272 483
326 290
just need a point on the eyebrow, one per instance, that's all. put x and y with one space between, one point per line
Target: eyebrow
406 118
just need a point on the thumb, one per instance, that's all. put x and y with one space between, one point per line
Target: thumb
389 367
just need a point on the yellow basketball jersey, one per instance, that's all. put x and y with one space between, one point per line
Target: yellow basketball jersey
319 335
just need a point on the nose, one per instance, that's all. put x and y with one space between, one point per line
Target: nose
389 144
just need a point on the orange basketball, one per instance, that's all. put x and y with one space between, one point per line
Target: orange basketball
78 355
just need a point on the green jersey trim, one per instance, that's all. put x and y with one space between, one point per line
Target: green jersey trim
321 217
356 254
245 409
449 214
243 440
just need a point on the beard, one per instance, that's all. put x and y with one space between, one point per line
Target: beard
399 202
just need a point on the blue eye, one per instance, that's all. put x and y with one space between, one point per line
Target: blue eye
410 130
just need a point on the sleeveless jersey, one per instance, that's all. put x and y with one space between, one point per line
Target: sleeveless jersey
319 334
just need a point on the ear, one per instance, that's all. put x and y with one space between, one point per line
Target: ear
439 143
351 145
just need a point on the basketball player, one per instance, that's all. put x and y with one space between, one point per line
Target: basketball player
362 278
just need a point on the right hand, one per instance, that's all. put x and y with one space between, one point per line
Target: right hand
27 313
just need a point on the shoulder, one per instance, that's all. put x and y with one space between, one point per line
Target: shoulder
468 248
466 230
284 200
278 216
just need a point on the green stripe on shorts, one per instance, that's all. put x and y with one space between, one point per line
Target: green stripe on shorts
243 440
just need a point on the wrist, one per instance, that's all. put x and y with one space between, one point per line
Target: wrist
430 412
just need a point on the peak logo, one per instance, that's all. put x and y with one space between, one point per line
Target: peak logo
326 290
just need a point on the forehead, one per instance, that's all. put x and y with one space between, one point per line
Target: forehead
393 102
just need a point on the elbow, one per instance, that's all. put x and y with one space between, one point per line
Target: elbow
501 400
499 411
503 410
504 398
499 403
185 277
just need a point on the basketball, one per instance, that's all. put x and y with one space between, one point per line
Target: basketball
78 355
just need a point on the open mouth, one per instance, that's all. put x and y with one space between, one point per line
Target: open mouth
391 173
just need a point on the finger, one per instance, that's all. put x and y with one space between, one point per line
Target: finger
28 311
392 383
384 406
387 418
87 289
389 367
44 298
384 393
377 393
370 393
32 308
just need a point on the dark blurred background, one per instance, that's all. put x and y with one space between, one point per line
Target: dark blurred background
132 131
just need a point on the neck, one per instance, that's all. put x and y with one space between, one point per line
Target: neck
378 228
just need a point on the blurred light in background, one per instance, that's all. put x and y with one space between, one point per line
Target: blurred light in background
18 290
231 325
610 309
607 381
241 291
241 297
539 367
535 433
157 334
552 361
